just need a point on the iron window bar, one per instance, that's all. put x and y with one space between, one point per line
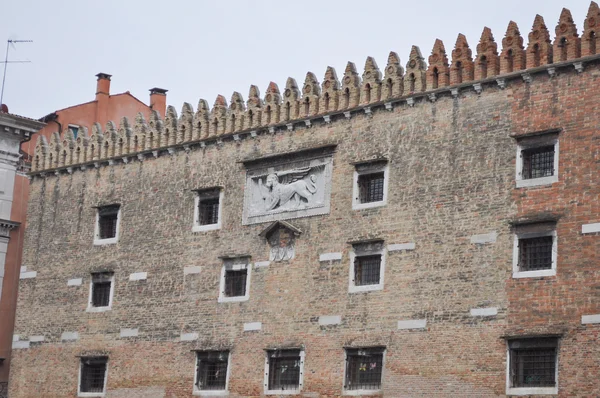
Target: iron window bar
533 362
284 370
535 253
367 270
212 370
370 187
235 282
93 374
107 221
538 162
364 369
209 211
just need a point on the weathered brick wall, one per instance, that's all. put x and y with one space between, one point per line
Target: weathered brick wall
451 176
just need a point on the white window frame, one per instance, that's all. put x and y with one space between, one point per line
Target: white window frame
300 380
538 273
71 126
90 307
235 267
529 390
208 227
362 392
356 204
212 393
91 394
107 241
533 182
352 287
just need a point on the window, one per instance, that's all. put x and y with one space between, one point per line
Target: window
92 376
364 369
284 371
101 291
107 224
75 130
532 366
235 280
207 213
537 159
211 372
370 185
535 250
367 266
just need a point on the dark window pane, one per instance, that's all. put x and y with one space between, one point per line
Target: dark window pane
538 162
535 253
212 370
533 367
370 187
363 369
107 221
235 283
93 372
101 294
209 211
284 370
367 270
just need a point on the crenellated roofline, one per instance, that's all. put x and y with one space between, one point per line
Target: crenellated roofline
330 100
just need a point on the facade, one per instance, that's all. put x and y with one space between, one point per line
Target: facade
423 232
13 130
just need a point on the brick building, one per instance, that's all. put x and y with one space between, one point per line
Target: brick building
423 232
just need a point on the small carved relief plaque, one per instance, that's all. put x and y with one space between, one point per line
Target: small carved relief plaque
281 237
288 186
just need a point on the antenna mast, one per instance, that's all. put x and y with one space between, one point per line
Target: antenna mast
6 62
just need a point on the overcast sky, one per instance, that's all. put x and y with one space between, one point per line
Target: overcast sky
198 49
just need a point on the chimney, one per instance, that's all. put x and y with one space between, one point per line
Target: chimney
103 85
158 100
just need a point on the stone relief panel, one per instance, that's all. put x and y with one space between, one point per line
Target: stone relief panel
289 186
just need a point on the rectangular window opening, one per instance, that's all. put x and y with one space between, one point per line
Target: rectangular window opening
93 374
284 370
371 187
533 362
364 369
535 253
235 282
208 207
107 221
211 370
538 162
101 289
367 270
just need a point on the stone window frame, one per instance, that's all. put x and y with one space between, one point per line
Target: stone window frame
363 392
549 231
300 380
512 391
107 241
212 393
235 264
367 248
370 167
532 141
91 308
197 227
92 394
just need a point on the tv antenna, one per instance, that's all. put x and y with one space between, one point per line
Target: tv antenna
11 43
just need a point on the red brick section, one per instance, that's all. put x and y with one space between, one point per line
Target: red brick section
554 305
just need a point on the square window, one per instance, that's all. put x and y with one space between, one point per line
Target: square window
107 224
235 280
101 291
367 261
370 185
92 376
211 371
364 369
207 213
537 159
532 366
535 250
284 371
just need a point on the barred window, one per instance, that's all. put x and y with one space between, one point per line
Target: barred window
93 374
235 282
107 221
364 368
367 270
284 367
207 213
538 162
535 253
101 289
370 187
211 370
533 362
